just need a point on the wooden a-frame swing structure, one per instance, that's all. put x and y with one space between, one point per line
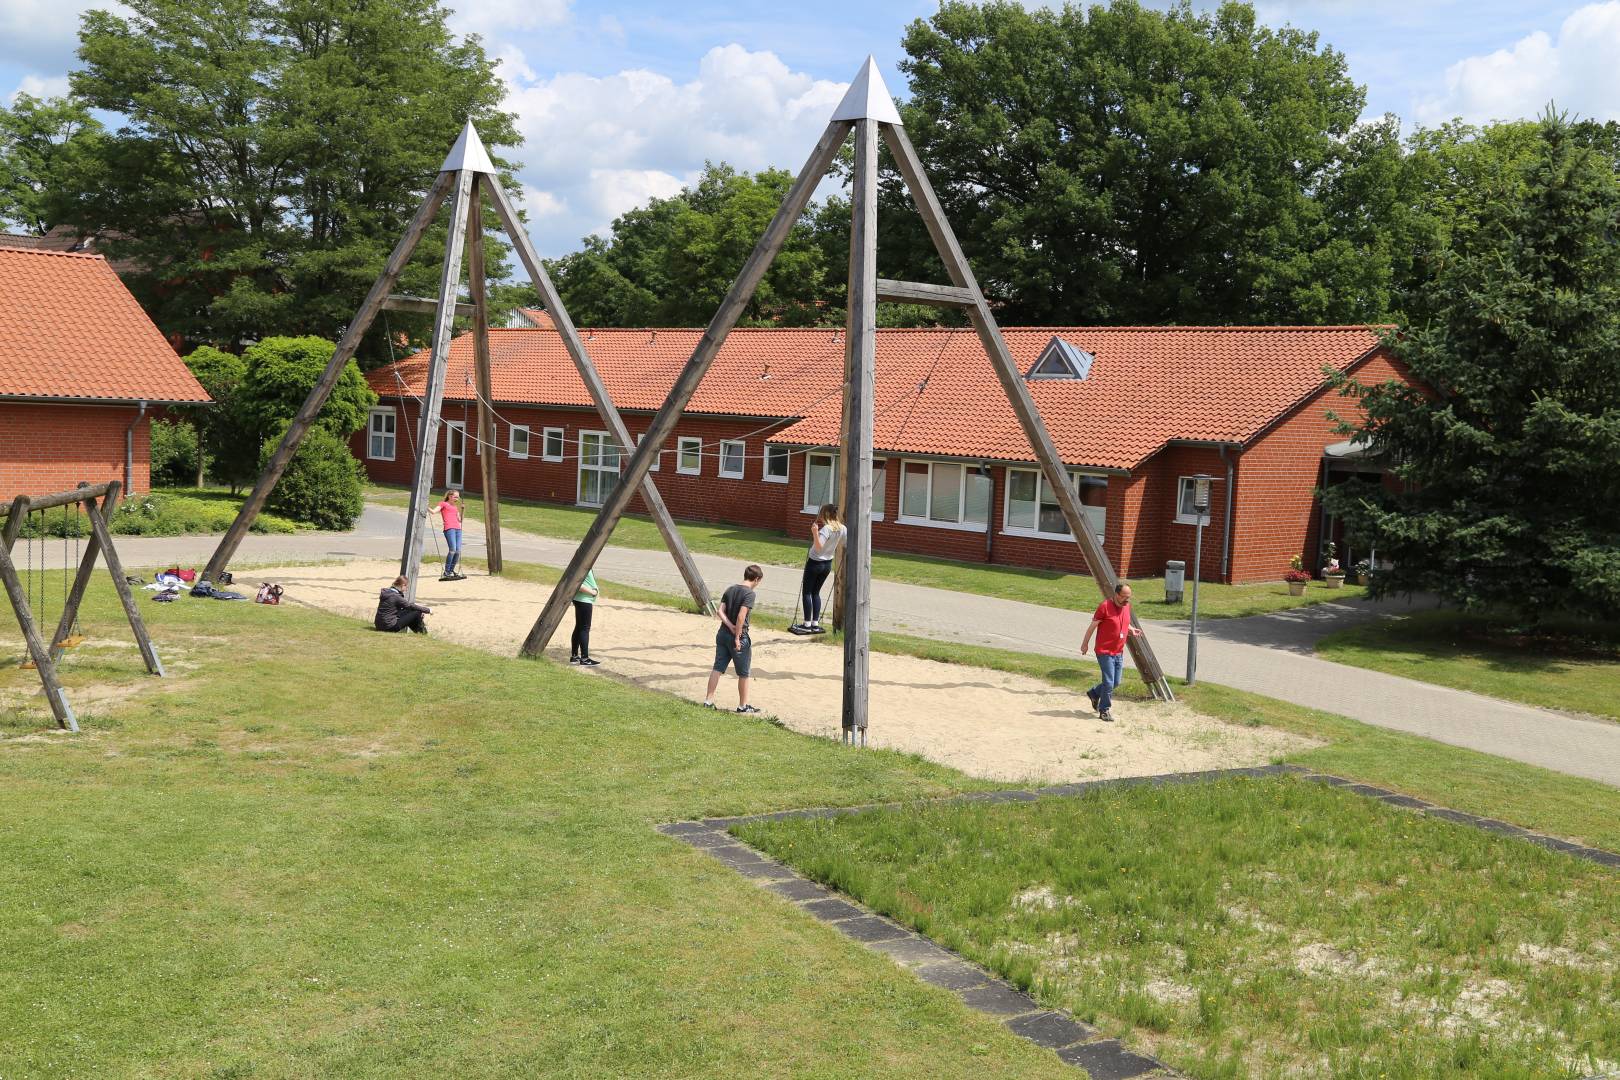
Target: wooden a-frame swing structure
467 177
869 111
43 658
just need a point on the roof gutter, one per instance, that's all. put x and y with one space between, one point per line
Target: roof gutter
110 403
129 450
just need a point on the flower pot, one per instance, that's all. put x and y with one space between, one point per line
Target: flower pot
1361 579
1296 588
1333 581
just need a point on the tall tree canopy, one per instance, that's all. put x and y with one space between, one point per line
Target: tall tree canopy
1121 165
272 151
1511 463
49 157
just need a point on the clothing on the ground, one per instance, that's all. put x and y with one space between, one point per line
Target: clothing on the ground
451 513
1113 670
452 539
732 601
580 644
394 612
815 576
1113 623
727 651
831 536
583 597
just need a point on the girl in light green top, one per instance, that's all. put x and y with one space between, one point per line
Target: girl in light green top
579 651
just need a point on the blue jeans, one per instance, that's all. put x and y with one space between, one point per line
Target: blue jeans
452 538
1113 670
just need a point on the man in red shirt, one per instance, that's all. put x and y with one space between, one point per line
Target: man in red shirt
1112 625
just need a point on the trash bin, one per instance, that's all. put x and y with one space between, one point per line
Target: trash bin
1175 580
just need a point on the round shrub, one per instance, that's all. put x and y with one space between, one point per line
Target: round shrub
323 486
174 453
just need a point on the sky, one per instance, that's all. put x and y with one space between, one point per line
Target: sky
623 100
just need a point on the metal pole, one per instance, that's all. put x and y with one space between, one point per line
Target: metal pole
1192 632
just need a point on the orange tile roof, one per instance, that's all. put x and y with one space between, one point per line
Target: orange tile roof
69 329
936 392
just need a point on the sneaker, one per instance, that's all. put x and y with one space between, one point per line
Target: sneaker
747 709
1095 698
447 577
586 661
459 576
710 705
1107 717
573 659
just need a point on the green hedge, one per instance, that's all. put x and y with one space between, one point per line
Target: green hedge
157 513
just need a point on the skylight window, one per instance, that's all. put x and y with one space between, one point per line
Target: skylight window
1062 360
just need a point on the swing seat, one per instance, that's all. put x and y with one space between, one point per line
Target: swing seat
72 641
801 631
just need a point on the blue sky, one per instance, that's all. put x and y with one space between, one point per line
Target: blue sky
621 100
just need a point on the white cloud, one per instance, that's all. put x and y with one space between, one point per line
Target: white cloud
1577 71
492 18
541 204
40 87
602 144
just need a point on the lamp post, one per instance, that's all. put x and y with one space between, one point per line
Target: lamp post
1201 484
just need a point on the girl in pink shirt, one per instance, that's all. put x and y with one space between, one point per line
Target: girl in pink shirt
449 512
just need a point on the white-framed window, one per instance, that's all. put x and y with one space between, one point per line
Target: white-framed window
821 482
517 444
599 455
1185 514
656 458
553 444
689 455
1031 507
381 433
733 458
944 494
778 459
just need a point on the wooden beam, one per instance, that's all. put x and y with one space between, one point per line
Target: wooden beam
61 498
109 554
410 561
695 585
488 438
686 384
860 353
37 652
1023 405
421 305
334 370
890 291
16 514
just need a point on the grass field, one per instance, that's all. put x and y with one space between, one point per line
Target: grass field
1576 669
1256 928
324 851
1050 588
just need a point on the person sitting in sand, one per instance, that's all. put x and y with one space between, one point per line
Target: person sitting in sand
396 613
731 644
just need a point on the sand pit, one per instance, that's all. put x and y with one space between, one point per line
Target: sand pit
983 722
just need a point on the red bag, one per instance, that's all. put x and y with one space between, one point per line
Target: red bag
187 576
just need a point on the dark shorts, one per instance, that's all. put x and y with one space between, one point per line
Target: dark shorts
726 652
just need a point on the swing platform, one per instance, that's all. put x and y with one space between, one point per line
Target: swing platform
806 631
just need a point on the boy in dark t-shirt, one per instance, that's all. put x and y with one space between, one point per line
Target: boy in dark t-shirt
731 644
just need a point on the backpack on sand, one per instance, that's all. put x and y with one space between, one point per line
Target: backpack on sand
269 593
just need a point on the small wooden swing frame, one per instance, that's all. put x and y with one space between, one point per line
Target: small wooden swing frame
44 659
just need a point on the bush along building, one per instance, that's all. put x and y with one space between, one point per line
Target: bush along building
1135 412
82 373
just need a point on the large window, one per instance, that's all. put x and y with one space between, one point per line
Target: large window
777 460
519 443
552 444
733 458
598 467
689 455
944 493
381 435
1033 508
821 482
1186 508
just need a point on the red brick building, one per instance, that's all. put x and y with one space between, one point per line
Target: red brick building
81 370
1134 412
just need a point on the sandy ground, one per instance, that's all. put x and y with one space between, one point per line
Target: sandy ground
986 723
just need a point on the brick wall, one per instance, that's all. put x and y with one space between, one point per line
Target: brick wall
46 448
1277 514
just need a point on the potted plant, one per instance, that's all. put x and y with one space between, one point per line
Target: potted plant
1332 572
1363 571
1296 576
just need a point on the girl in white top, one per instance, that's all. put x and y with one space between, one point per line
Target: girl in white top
826 535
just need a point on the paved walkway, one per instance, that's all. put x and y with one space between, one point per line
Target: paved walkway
1268 654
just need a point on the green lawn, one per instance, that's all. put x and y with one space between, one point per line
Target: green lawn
318 850
1574 669
1256 928
1050 588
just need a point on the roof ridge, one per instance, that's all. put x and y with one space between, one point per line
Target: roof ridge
48 251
